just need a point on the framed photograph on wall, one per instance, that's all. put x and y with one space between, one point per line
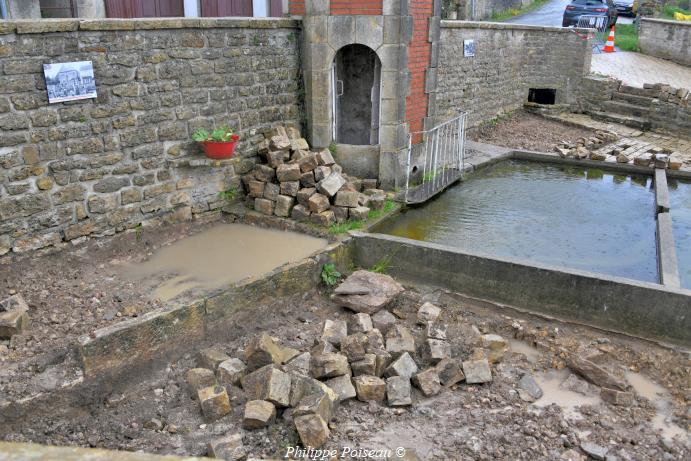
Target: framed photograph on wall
469 48
69 81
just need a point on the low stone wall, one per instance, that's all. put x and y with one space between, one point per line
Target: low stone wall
666 39
656 105
98 166
509 59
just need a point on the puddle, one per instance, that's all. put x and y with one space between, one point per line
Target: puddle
522 347
661 400
221 255
566 399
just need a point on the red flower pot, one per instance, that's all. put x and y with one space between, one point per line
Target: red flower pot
220 150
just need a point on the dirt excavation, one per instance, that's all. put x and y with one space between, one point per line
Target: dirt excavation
371 369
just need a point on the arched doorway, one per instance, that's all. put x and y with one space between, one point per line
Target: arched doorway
356 91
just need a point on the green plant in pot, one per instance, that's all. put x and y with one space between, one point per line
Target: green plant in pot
218 144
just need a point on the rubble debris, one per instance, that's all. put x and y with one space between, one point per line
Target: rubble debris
595 374
477 371
14 316
210 358
228 447
529 390
199 378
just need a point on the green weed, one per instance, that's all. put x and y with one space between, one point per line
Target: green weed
345 226
626 37
228 195
330 276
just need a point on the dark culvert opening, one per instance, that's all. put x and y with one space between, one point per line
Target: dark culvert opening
542 95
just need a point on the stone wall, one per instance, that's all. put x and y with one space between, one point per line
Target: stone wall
509 59
98 166
666 39
478 10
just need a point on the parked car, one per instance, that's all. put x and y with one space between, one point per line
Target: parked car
578 8
626 7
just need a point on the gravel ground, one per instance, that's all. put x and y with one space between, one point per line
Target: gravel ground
479 422
523 130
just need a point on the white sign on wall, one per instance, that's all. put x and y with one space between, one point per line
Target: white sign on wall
69 81
469 48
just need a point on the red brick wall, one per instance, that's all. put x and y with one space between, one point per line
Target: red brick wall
418 60
372 7
297 7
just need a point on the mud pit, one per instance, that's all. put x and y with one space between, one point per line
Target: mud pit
489 421
76 291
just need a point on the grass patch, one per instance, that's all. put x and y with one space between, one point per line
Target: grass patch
345 226
510 13
626 37
669 10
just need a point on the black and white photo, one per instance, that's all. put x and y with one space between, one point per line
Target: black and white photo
69 81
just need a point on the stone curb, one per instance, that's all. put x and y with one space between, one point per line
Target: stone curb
504 26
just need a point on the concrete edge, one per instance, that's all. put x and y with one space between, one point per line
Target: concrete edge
667 21
632 307
33 26
661 191
666 252
555 158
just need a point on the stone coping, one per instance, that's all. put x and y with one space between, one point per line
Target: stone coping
31 26
670 22
450 24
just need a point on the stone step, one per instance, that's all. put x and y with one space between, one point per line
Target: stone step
633 122
641 101
649 92
623 108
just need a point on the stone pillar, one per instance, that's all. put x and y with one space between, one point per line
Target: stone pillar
388 34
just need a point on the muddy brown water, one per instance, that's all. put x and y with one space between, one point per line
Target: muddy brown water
219 256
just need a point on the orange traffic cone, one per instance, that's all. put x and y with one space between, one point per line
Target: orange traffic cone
609 46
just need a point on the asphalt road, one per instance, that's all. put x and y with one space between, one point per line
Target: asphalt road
550 14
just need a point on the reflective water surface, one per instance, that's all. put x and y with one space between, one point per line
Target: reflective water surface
581 218
680 203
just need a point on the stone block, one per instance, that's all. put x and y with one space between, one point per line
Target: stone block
334 331
477 371
613 396
399 340
317 403
279 143
366 366
360 323
290 188
318 203
398 391
403 366
300 213
375 341
354 346
262 350
360 213
313 430
227 447
284 205
308 163
264 173
324 219
324 158
275 158
343 387
428 382
347 199
258 414
435 350
340 213
288 172
255 189
321 172
383 320
496 347
330 185
450 372
304 195
268 383
199 378
210 358
329 365
370 388
428 313
271 191
231 371
214 402
264 206
365 291
307 179
14 316
435 330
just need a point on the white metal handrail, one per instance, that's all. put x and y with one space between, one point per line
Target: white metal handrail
441 156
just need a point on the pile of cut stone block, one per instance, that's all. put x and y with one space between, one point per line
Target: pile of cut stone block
371 357
305 185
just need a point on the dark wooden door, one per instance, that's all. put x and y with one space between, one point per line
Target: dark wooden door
144 8
275 8
220 8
